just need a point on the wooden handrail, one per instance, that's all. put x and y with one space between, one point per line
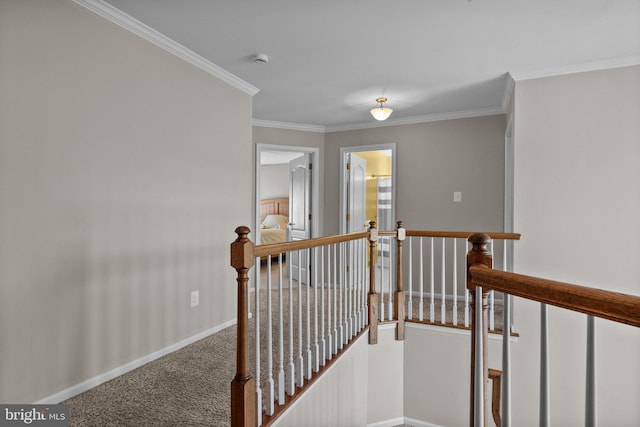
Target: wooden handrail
618 307
277 248
462 234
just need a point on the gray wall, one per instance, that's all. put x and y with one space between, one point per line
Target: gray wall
577 204
114 197
433 160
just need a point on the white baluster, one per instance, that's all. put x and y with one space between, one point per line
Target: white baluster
410 299
345 301
257 316
270 385
381 275
300 359
365 284
308 356
443 291
545 419
360 286
291 368
421 300
330 336
454 278
323 342
504 255
361 269
356 286
506 364
349 289
316 346
492 315
432 306
479 382
466 292
281 377
365 288
506 324
340 336
390 281
591 404
336 291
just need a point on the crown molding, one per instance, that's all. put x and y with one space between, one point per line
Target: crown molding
288 126
577 68
480 112
131 24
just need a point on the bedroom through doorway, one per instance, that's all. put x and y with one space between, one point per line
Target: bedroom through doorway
286 193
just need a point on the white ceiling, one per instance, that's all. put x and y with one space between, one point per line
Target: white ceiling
329 60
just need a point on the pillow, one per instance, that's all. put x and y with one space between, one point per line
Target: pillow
275 221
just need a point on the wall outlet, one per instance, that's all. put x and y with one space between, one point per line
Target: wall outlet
195 298
457 196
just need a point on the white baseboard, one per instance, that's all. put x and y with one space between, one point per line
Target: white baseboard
448 297
402 420
418 423
107 376
388 423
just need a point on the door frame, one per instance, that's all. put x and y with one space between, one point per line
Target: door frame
509 178
315 182
343 183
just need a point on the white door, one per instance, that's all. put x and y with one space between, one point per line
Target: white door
299 210
356 193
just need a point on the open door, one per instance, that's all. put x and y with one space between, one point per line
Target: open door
299 211
368 189
356 175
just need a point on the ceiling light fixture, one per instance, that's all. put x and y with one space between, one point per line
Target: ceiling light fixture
381 112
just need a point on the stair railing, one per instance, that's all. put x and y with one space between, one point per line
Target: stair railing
435 278
303 318
595 303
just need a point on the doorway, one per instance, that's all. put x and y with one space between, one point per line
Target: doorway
367 187
287 172
367 193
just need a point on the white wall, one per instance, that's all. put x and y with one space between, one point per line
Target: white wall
115 202
437 374
339 397
274 181
386 377
577 204
364 387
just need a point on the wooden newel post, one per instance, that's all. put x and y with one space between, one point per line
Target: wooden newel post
373 296
243 388
478 254
398 299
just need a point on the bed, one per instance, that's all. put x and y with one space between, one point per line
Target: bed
274 218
